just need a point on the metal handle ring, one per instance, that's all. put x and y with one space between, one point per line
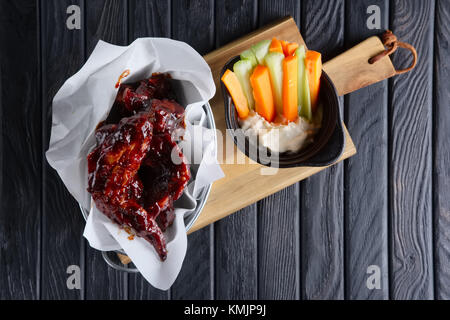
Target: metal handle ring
116 266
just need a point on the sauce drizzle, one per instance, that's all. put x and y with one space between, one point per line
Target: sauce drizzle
122 75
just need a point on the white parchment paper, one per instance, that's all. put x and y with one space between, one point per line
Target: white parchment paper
86 98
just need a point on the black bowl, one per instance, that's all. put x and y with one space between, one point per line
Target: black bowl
328 143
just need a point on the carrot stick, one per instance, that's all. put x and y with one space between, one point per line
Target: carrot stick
290 48
313 64
262 92
275 46
284 45
290 90
237 94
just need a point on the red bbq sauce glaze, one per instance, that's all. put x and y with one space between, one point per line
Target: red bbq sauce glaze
132 177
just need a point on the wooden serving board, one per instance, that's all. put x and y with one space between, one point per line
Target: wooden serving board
244 184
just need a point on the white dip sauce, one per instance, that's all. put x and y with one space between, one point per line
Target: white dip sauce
279 137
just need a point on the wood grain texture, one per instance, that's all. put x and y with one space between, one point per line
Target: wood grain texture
21 151
103 282
410 171
62 222
278 215
366 202
194 21
196 278
195 281
106 20
322 243
236 265
441 151
270 11
233 19
235 237
359 73
278 245
147 19
140 289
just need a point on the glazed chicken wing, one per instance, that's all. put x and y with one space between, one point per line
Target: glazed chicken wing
113 180
137 170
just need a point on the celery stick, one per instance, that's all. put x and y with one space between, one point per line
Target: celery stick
303 85
274 61
249 55
243 70
261 49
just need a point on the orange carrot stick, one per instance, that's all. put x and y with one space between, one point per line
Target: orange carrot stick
290 48
290 89
262 92
313 64
237 94
284 45
275 46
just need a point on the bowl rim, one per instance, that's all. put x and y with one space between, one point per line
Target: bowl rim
306 162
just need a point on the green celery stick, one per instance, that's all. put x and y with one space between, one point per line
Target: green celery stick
249 55
261 49
274 61
243 70
303 85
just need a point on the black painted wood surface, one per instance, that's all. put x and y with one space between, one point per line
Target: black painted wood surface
322 206
196 279
106 20
147 19
365 205
410 155
60 216
236 264
388 206
441 151
279 227
21 151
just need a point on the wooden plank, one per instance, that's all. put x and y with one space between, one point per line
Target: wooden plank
441 151
196 278
321 223
410 171
106 20
236 266
62 223
235 237
147 19
270 11
278 214
224 199
103 282
366 216
193 22
278 245
21 151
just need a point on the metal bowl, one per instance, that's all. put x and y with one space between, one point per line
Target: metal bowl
111 257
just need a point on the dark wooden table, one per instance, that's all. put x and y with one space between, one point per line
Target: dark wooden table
388 206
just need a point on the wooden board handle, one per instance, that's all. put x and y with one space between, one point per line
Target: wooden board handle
351 70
